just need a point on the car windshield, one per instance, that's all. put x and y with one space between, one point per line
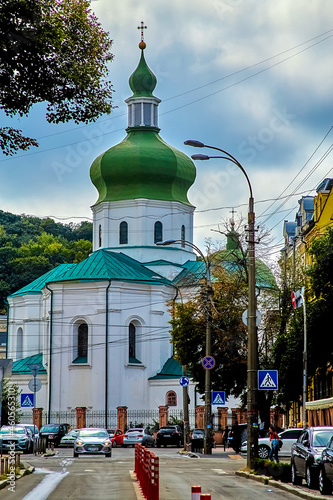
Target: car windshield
51 428
321 438
111 431
93 433
11 430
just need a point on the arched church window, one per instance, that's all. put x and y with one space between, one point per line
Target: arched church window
123 233
158 232
100 235
171 398
81 343
19 343
182 235
132 344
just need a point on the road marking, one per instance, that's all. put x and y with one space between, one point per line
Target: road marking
46 486
136 485
219 471
235 457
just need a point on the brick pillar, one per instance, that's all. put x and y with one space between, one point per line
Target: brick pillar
80 417
222 417
200 417
236 415
163 416
122 418
37 414
242 416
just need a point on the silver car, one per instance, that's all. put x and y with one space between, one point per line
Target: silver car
138 435
69 438
289 437
17 436
92 441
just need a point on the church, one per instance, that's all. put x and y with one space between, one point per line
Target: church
100 329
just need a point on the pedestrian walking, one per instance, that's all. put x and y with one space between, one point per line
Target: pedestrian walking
275 446
225 438
236 437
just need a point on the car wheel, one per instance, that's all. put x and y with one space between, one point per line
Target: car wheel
295 479
310 479
108 455
114 444
325 486
153 444
158 445
263 451
75 454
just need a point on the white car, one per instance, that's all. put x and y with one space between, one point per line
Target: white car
289 437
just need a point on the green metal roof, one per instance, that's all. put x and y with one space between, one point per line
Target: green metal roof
142 81
100 265
171 369
161 262
21 366
193 272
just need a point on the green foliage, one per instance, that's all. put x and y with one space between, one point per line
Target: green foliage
10 399
30 247
228 334
278 471
52 51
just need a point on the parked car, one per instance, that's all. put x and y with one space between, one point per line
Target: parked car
92 441
171 434
288 437
116 436
18 435
138 435
197 440
306 454
68 439
326 469
33 428
53 433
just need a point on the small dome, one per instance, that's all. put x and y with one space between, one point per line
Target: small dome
142 81
143 166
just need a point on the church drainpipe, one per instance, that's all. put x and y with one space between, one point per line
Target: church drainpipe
106 351
50 356
7 310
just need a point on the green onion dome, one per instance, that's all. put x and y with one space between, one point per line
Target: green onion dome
143 165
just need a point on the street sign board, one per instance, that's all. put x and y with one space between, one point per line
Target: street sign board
258 317
218 398
184 381
208 362
297 298
267 380
34 368
27 400
35 384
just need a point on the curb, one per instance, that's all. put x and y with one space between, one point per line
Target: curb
282 486
25 471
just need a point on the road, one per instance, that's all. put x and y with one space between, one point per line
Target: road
97 478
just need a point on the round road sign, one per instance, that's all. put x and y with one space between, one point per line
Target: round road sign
293 299
208 362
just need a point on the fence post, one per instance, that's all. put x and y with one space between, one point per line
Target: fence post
122 418
80 417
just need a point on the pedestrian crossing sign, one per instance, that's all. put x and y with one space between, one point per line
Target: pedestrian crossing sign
218 398
27 400
267 380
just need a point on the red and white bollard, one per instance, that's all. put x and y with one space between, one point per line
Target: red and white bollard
205 496
195 492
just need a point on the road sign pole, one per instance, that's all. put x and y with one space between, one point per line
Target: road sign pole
305 365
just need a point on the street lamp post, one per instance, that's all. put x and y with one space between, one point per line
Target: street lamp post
252 393
209 292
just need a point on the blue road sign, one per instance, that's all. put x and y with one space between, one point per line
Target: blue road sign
27 400
184 381
267 380
208 362
218 398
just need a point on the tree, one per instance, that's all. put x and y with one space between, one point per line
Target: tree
53 51
10 403
228 334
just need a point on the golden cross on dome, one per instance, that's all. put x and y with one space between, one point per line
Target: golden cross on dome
142 27
232 211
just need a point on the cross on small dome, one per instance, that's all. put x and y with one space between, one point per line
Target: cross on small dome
142 44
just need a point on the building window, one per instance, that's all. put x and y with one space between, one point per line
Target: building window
182 236
81 343
123 233
171 398
99 235
19 344
132 344
158 232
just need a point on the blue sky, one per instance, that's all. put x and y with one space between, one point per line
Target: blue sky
253 77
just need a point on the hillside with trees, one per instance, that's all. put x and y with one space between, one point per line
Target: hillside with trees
31 246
